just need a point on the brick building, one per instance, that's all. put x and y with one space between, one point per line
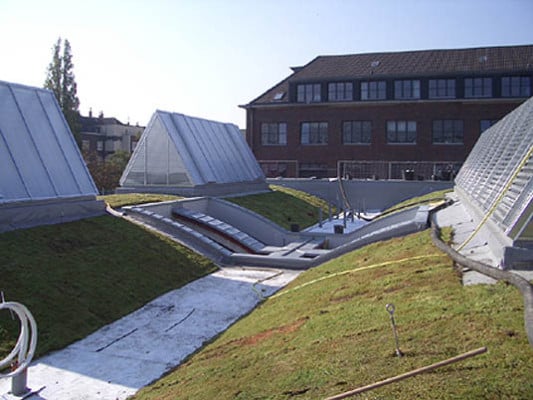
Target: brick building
412 115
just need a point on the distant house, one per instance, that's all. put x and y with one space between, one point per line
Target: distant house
190 156
104 135
412 114
43 177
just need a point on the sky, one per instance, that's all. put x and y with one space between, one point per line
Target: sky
204 58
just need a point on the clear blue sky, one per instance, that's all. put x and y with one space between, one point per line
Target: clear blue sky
205 57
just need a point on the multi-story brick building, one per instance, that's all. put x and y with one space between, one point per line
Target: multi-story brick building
413 114
104 135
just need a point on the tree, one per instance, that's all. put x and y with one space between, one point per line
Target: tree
106 173
60 80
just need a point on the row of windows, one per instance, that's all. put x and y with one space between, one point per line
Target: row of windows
445 131
409 89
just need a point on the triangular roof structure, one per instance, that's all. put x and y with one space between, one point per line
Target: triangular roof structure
496 182
191 156
40 161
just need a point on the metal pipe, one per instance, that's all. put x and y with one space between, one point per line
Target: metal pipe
409 374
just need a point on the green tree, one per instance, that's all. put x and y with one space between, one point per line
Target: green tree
106 173
60 80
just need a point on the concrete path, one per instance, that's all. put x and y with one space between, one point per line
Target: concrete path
458 217
120 358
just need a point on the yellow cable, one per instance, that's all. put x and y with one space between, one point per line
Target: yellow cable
383 264
499 199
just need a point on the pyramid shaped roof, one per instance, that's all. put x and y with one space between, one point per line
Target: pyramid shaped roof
39 157
176 150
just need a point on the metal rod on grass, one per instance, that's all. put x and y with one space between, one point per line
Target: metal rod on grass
409 374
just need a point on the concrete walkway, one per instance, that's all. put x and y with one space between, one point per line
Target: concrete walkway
458 217
120 358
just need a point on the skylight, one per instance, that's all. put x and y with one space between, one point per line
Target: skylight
279 95
374 64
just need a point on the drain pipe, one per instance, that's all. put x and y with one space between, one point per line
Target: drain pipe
516 280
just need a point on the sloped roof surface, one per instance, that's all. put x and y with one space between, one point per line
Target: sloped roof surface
178 150
39 158
407 63
497 176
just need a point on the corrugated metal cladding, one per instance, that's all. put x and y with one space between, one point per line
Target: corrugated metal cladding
178 150
498 173
39 158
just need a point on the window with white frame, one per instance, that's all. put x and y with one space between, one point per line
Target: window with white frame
478 87
401 132
375 90
448 131
441 89
314 133
308 93
274 134
340 91
356 132
407 89
516 86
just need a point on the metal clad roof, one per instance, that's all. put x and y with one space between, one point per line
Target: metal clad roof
39 158
208 152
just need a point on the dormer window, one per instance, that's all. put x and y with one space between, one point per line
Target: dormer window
308 93
407 89
516 86
340 91
478 87
375 90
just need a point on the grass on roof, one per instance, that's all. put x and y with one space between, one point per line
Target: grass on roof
126 199
79 276
328 332
285 206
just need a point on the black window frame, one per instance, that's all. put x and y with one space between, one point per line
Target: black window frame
271 130
397 133
308 93
516 83
448 131
407 89
445 88
478 87
316 131
373 88
357 129
340 91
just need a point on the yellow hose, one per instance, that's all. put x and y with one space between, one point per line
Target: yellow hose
383 264
499 199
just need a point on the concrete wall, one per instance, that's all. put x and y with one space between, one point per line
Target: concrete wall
364 195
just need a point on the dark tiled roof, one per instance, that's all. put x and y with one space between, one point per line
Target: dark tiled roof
408 63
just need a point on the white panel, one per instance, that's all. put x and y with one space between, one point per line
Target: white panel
39 157
54 162
192 155
20 143
11 184
68 146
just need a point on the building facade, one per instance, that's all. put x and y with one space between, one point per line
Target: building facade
410 115
105 136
